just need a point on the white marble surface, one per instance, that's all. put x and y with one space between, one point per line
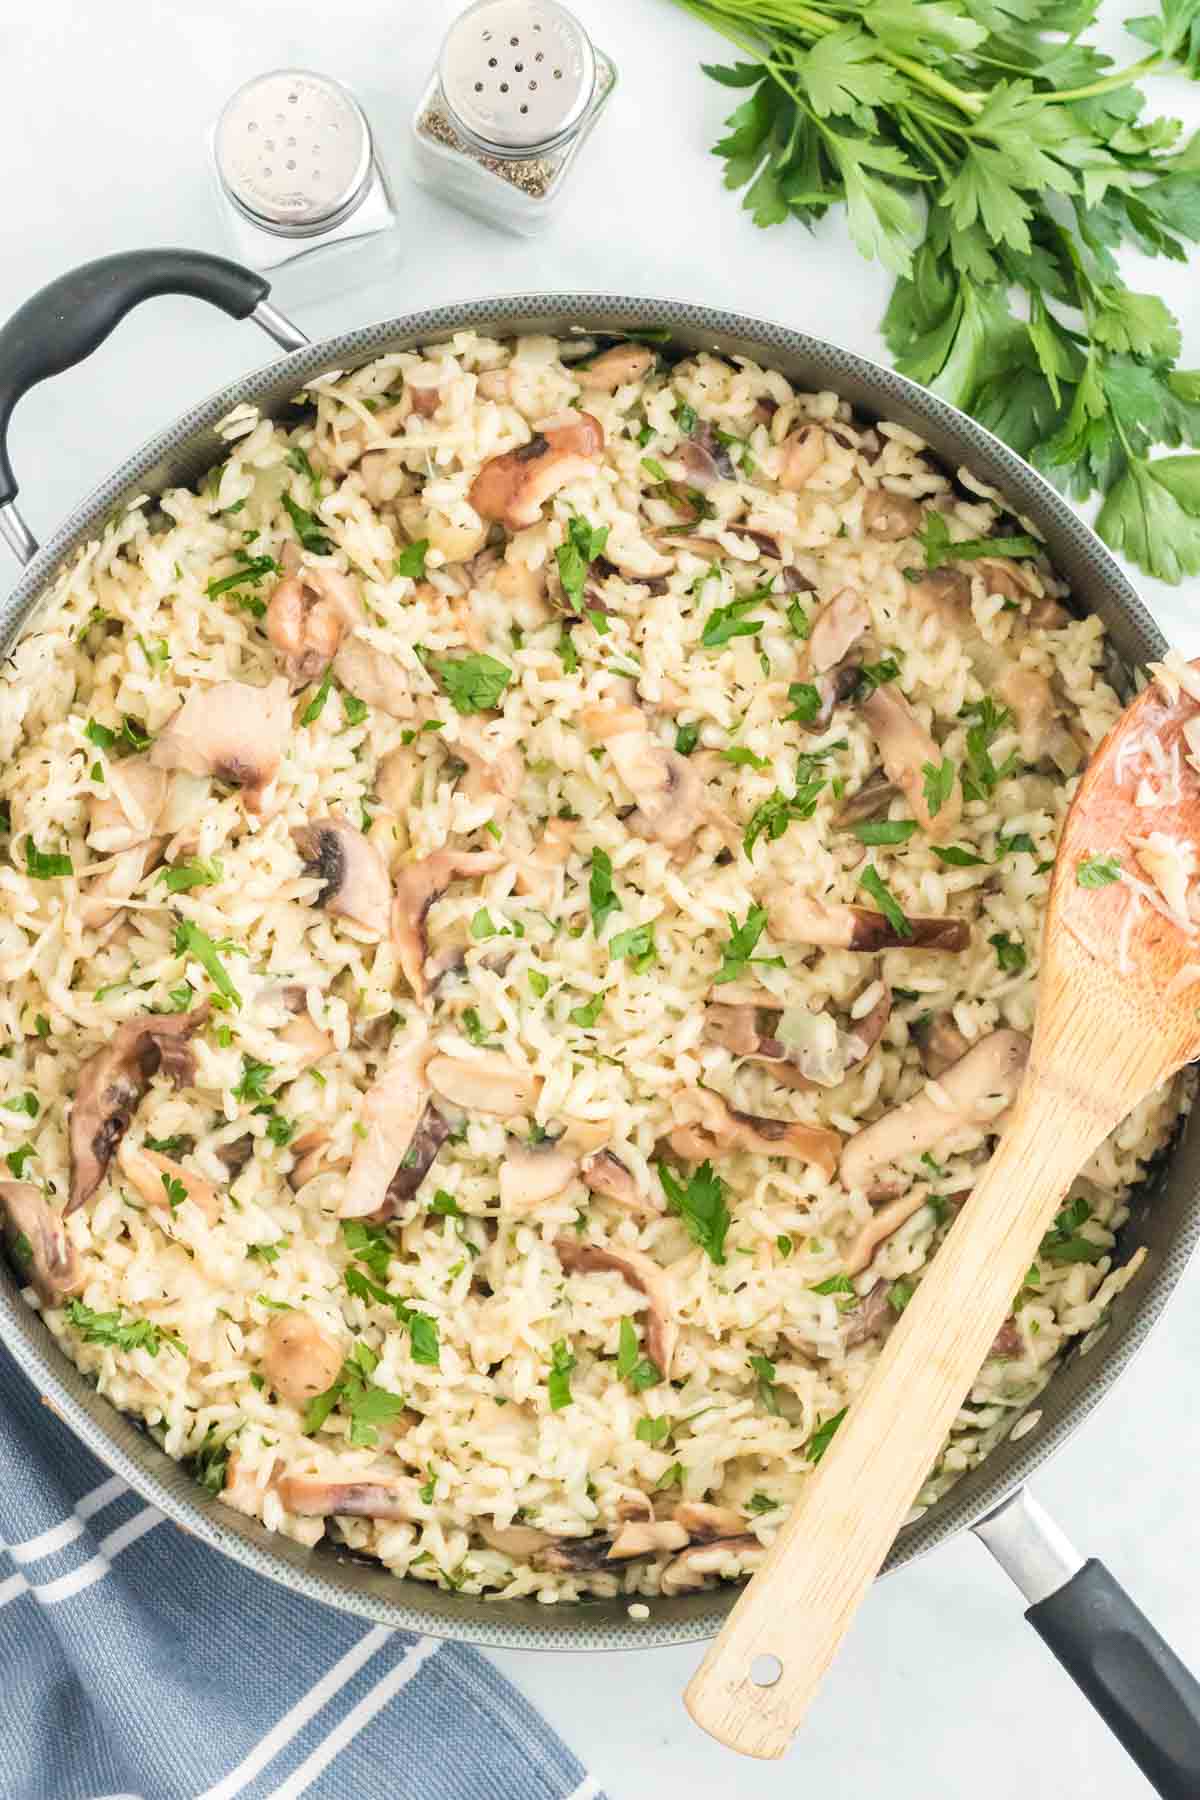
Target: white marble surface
941 1690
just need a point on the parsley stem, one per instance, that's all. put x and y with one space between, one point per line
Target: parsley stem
1121 79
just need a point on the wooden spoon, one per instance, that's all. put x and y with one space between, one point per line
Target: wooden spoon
1118 1014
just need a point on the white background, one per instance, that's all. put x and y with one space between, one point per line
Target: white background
942 1690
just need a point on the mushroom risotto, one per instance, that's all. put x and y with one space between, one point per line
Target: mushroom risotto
518 933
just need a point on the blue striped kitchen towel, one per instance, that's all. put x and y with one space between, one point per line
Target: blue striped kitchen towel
138 1664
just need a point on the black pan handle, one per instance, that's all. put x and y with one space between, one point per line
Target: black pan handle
1107 1645
73 315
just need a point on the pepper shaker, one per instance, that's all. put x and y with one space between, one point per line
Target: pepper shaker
296 169
517 89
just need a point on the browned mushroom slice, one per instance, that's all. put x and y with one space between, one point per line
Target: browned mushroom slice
705 1523
533 1173
891 516
38 1243
871 1318
1008 1340
374 677
646 1537
233 731
606 1174
324 1496
944 595
417 887
907 751
299 1360
415 1164
870 801
309 614
356 882
128 812
160 1181
113 1081
807 1049
1037 711
642 1273
573 1556
940 1042
235 1155
521 1541
727 1557
424 398
673 802
309 1152
708 1126
837 629
615 368
486 1083
705 458
965 1099
514 487
1048 615
800 456
393 1112
797 918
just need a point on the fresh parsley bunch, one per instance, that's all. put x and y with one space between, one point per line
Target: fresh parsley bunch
994 161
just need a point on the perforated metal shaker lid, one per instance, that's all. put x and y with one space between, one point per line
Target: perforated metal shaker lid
293 151
517 75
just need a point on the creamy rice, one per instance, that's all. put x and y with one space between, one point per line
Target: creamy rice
479 1380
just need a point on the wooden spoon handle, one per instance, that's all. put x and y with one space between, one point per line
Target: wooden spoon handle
801 1603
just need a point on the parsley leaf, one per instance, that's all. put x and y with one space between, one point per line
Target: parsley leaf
191 941
778 811
632 1366
125 1334
884 831
46 865
700 1203
764 1369
636 945
737 953
558 1382
601 898
307 528
822 1437
473 683
874 884
1097 871
200 872
584 543
1010 953
939 547
939 784
411 560
727 622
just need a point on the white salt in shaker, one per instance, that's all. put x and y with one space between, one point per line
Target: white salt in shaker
518 88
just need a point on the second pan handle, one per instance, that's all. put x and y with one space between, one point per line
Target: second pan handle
73 315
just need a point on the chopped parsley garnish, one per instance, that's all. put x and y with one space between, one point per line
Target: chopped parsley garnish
805 700
354 709
1009 846
672 1478
539 983
156 654
16 1159
191 941
940 548
884 831
764 1369
202 871
168 1146
473 683
799 620
24 1103
1063 1243
411 560
727 622
956 856
700 1203
316 705
741 758
443 1204
255 1075
46 865
637 946
872 882
737 953
899 1295
1010 952
307 528
473 1027
652 1431
777 812
568 655
298 459
761 1503
372 1244
365 1405
422 1330
281 1131
1097 871
585 1016
784 1244
101 735
877 675
822 1437
174 1189
686 418
558 1382
935 1168
121 1334
654 468
602 900
584 543
939 784
979 774
252 571
267 1253
835 1284
632 1366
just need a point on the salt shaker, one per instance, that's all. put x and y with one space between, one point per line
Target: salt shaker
296 169
517 89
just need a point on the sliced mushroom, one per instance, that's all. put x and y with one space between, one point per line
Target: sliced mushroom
38 1243
374 677
309 614
356 882
417 887
944 595
514 487
306 1042
539 875
907 751
797 918
235 1155
800 456
1046 614
308 1151
415 1164
1037 712
533 1173
880 1226
323 1497
127 814
728 1557
940 1042
705 458
891 516
573 1556
871 1318
870 801
521 1541
491 769
836 630
1008 1341
642 1273
486 1083
993 1067
113 1081
803 1048
233 731
393 1113
606 1174
646 1537
708 1126
615 368
423 399
672 800
158 1178
705 1523
299 1359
